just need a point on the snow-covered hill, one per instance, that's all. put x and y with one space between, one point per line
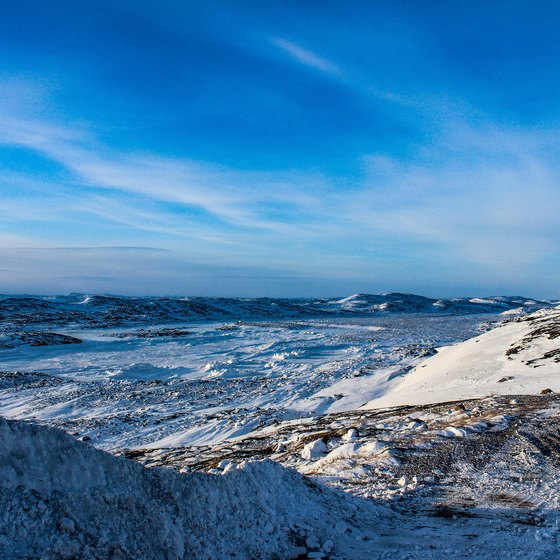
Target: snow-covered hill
521 356
410 303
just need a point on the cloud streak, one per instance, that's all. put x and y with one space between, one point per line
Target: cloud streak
229 196
306 57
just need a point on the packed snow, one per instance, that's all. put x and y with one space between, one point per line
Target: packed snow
64 499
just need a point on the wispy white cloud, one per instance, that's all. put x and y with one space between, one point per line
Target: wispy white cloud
306 57
487 196
231 196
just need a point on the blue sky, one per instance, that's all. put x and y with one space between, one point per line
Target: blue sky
284 149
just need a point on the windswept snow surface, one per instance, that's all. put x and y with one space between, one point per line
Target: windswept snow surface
132 378
521 356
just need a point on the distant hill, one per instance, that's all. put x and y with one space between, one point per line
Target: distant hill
105 310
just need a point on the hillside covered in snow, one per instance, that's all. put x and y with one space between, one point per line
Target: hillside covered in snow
521 356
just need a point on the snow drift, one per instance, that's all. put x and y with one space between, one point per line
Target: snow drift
60 498
522 356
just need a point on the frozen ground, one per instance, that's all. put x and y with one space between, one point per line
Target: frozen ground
470 479
220 380
477 479
205 387
63 499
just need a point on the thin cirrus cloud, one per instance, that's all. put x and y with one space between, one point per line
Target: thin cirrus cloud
204 213
229 196
305 56
473 202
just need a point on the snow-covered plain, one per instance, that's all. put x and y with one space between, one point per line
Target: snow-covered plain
207 387
161 384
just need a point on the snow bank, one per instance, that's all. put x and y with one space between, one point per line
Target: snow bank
518 357
60 498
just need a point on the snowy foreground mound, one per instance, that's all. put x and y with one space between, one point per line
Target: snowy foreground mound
60 498
521 356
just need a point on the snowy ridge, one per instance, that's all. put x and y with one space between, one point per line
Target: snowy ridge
522 356
105 311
